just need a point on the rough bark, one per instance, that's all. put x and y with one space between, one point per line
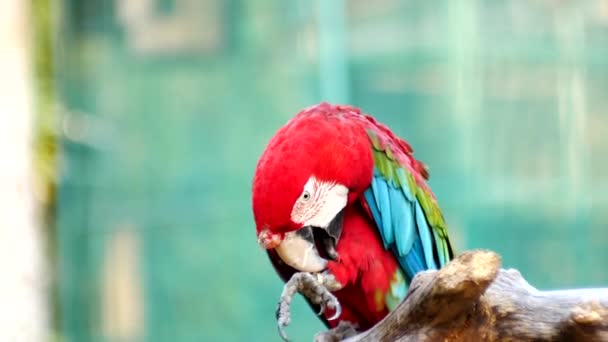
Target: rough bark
473 299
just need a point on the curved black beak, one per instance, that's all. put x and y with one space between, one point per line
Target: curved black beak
326 239
335 227
309 248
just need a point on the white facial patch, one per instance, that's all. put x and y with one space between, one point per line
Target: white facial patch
319 203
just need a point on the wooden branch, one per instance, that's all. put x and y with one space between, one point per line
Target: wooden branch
472 299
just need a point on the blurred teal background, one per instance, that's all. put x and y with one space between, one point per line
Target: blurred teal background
164 107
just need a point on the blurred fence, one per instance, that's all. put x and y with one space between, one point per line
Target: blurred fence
167 104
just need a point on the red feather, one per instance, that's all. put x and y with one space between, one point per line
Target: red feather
364 268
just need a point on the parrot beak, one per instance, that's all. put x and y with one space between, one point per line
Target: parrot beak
328 237
300 249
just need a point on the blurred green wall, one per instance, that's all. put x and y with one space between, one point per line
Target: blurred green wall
166 105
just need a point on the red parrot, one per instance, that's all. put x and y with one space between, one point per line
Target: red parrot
337 193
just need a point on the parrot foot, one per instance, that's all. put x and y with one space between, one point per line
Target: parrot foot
310 287
344 330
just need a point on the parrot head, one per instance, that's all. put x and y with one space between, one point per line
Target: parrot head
311 169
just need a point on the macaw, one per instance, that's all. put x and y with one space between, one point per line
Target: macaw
337 193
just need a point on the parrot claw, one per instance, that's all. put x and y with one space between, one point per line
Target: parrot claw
311 288
338 312
322 306
283 317
332 304
283 334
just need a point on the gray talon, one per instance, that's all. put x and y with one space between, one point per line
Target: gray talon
282 333
322 305
337 307
310 287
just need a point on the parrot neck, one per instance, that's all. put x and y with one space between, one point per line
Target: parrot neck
353 197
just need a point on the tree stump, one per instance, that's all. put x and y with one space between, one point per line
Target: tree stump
473 299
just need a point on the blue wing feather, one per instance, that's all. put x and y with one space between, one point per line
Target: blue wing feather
401 222
424 232
381 192
413 262
401 217
371 203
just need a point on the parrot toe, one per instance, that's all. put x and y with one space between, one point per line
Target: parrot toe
332 303
310 287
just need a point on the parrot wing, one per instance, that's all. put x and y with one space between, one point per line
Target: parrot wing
403 207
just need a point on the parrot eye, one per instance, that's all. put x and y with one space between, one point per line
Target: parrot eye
306 196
